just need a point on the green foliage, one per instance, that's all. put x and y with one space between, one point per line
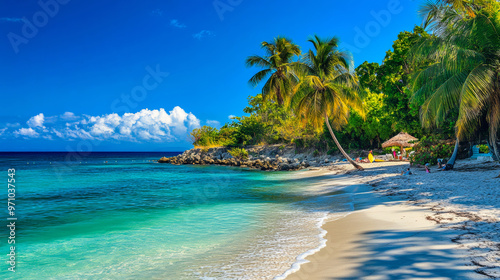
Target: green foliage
429 149
484 149
277 69
387 101
239 153
316 153
267 123
297 95
465 71
388 150
372 130
205 136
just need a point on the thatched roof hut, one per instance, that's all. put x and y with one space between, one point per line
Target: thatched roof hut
400 140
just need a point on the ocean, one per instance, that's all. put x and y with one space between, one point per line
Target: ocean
124 216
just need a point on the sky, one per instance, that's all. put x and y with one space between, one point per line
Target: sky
140 75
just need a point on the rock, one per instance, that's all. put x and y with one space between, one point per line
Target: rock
164 160
284 166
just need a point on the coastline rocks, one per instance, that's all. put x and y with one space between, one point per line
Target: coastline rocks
268 158
164 160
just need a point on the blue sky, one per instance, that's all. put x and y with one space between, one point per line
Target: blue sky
139 75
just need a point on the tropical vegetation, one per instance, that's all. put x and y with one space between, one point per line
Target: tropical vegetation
440 81
463 74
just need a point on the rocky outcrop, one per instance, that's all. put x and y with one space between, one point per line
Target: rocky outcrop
269 158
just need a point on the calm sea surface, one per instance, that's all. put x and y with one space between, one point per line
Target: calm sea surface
124 216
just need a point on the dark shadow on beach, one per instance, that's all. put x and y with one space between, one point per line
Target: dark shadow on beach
395 255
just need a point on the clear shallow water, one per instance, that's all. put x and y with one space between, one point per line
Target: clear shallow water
131 218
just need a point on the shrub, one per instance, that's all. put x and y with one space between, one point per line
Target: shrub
205 136
316 153
239 153
484 149
428 150
332 152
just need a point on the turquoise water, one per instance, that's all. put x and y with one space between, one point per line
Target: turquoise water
124 216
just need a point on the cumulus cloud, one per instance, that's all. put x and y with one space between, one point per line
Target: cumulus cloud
177 24
36 121
145 125
231 117
69 116
27 132
203 34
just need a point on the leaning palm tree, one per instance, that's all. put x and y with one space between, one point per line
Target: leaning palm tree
278 69
328 88
465 74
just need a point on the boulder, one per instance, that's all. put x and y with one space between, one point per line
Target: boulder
164 160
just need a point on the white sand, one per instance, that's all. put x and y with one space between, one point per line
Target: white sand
443 225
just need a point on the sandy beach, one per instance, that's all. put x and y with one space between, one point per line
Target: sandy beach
442 225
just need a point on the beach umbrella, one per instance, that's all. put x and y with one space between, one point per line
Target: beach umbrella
401 140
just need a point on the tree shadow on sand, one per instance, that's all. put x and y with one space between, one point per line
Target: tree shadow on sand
410 255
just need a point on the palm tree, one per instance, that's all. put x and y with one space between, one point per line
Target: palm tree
278 69
465 74
327 89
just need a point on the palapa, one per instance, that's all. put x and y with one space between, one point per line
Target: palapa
401 140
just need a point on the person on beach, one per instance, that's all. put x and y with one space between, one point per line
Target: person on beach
394 153
427 170
365 160
407 172
441 163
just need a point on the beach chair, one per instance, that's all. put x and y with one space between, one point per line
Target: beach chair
476 154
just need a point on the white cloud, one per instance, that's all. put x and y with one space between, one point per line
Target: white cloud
36 121
69 116
28 132
145 125
202 34
177 24
213 123
2 130
231 117
193 122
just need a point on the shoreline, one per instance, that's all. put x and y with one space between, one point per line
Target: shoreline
394 232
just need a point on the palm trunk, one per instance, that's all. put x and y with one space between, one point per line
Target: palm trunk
279 97
495 149
349 159
454 155
492 143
